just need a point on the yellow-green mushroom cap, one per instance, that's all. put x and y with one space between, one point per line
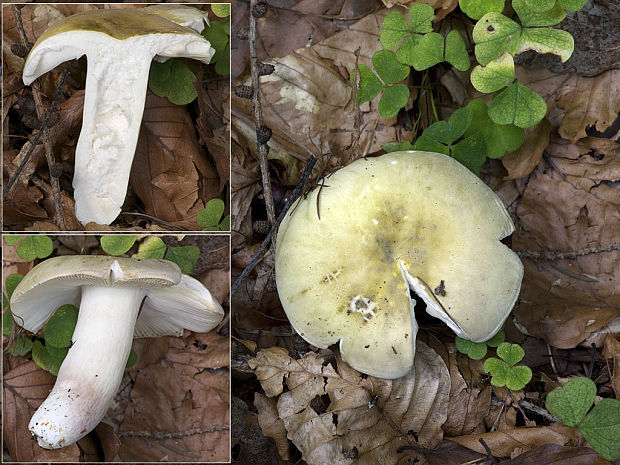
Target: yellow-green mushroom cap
401 221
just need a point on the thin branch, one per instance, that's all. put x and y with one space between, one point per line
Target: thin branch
257 256
49 153
538 410
258 117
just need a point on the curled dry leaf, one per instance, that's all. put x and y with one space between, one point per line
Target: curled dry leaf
612 351
570 206
522 161
309 94
334 414
593 102
271 424
552 454
170 172
504 443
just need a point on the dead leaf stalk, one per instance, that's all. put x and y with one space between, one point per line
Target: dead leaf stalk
43 117
259 253
258 117
491 459
570 255
537 410
171 435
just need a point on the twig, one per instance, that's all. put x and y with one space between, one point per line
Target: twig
49 153
551 360
172 434
175 227
258 117
570 255
538 410
490 457
257 256
35 141
592 360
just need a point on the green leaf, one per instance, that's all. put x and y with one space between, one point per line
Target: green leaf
449 131
151 247
572 5
474 350
389 69
117 244
370 85
428 51
212 212
517 105
32 247
225 224
22 346
547 40
571 402
421 16
476 9
222 67
49 358
132 359
456 51
601 428
397 146
426 144
7 323
540 5
11 282
510 353
535 16
517 377
184 256
470 152
221 10
173 79
406 52
496 340
59 329
393 30
499 138
495 75
393 99
12 239
495 34
218 33
498 369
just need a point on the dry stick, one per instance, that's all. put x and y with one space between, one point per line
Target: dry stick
49 154
570 255
35 141
302 181
258 117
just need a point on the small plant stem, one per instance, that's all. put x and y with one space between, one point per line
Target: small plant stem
258 117
435 114
472 462
538 410
490 456
259 253
43 118
551 360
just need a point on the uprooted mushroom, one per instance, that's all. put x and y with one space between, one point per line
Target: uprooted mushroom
119 298
119 46
403 221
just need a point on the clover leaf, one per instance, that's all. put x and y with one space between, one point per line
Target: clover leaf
185 256
504 372
209 217
532 15
31 247
48 357
455 51
496 75
547 40
442 136
517 105
474 350
571 402
218 34
601 428
572 5
476 9
390 71
117 244
395 28
59 329
493 35
151 247
173 79
21 347
397 146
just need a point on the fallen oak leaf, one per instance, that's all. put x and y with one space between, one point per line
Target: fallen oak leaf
330 409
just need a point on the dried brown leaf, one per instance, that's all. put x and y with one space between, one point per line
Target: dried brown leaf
593 102
170 172
271 424
522 162
333 414
504 443
612 351
551 454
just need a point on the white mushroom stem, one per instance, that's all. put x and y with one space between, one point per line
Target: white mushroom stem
93 369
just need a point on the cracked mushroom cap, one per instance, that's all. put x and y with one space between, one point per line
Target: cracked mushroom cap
72 37
173 302
401 221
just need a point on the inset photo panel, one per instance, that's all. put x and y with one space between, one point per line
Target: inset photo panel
116 117
116 348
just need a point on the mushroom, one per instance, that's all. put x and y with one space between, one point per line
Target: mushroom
119 298
403 221
119 46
